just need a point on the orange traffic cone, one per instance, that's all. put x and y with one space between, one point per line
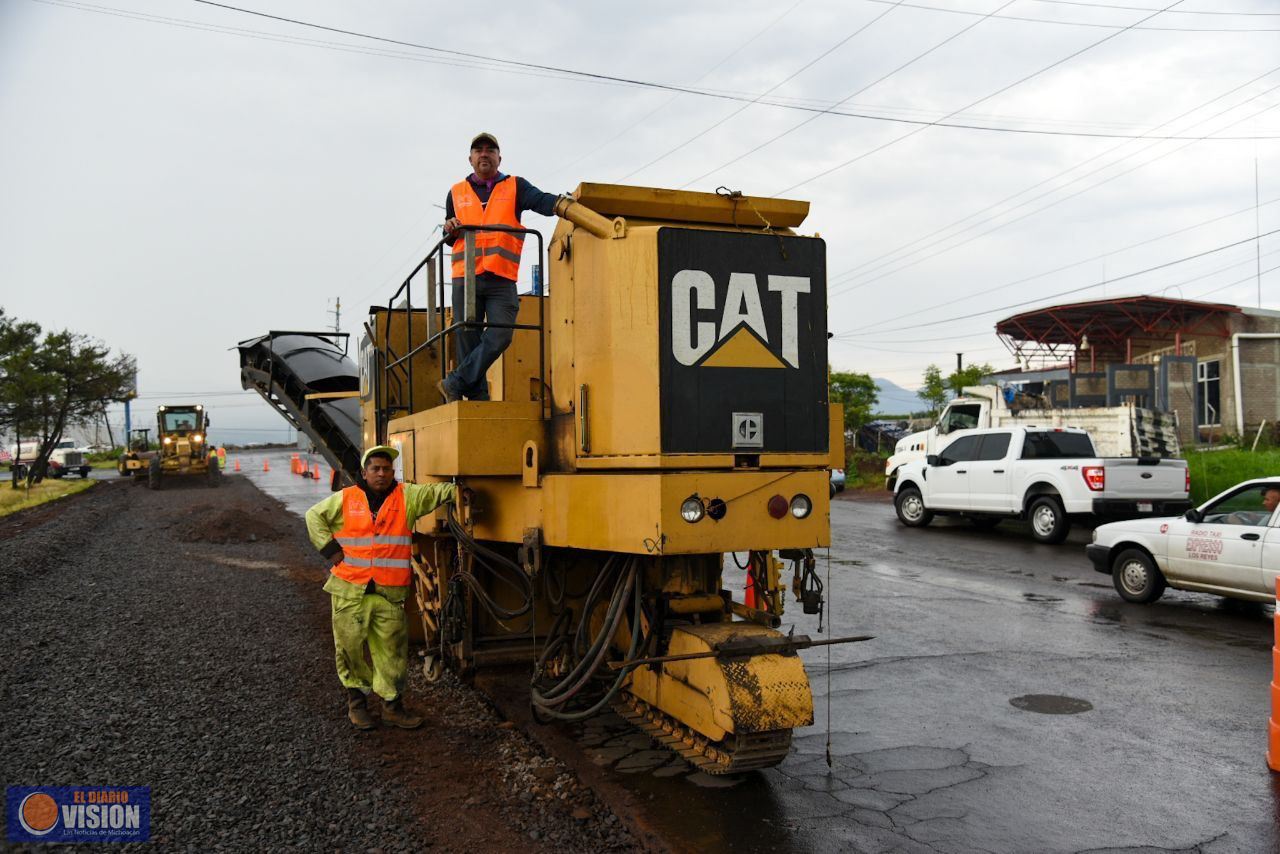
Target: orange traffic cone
749 589
1273 726
266 465
237 464
315 471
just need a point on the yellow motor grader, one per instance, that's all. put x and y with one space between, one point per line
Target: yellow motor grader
663 403
182 434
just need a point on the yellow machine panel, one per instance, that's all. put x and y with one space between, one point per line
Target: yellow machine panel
472 438
639 513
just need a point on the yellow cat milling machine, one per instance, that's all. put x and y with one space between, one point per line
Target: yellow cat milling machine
663 404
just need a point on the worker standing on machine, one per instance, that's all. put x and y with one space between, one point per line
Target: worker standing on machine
486 197
366 532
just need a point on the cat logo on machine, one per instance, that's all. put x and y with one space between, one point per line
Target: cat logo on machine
741 339
748 429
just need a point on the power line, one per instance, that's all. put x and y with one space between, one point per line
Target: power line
1074 290
466 60
785 80
1064 172
1091 24
1248 278
1080 263
985 332
1000 91
874 274
1149 9
843 337
741 47
852 95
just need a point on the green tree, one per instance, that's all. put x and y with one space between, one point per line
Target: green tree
48 382
933 390
969 375
858 395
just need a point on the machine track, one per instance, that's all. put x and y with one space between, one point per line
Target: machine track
735 754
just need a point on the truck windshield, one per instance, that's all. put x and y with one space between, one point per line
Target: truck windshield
179 421
961 418
1057 446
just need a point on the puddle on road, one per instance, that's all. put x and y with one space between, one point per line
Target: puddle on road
862 782
1051 704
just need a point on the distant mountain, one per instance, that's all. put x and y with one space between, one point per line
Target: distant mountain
896 400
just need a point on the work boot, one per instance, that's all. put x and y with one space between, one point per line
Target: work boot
395 714
357 711
449 396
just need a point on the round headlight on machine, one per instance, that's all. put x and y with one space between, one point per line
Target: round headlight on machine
196 437
692 510
801 506
168 440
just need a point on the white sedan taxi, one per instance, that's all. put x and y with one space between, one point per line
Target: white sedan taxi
1229 546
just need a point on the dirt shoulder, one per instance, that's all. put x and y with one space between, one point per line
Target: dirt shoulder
180 639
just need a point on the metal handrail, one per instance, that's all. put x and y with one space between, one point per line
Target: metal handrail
436 331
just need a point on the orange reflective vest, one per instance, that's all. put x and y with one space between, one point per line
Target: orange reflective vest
497 252
377 549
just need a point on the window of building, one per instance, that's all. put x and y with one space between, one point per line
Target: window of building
1208 388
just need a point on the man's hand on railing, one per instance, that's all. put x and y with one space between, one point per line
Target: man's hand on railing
451 225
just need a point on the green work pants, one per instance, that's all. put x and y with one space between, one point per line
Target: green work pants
376 619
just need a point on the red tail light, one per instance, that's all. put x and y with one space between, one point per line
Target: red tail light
1095 477
1186 481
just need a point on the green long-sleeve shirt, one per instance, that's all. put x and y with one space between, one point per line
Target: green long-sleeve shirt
324 519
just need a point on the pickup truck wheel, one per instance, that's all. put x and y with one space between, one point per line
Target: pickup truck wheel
1049 522
911 509
1136 577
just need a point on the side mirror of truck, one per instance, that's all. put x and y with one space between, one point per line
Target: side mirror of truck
1194 516
933 460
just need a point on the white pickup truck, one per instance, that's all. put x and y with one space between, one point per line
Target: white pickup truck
1117 431
1043 475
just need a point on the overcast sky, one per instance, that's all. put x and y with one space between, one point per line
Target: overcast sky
175 177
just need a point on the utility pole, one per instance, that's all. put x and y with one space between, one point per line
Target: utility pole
336 311
1257 230
959 362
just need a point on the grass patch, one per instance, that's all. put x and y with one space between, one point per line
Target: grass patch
863 470
102 464
1214 471
13 500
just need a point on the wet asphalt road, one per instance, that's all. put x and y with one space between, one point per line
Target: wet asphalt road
1164 748
929 754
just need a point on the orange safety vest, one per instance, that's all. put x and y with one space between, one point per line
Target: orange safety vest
497 252
377 549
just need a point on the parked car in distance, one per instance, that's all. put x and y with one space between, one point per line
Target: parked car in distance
1043 475
1229 546
837 481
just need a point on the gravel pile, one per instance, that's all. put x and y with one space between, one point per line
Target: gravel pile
138 657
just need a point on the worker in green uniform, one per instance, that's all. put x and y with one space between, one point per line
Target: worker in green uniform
366 533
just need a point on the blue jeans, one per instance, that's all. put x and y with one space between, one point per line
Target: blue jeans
496 302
